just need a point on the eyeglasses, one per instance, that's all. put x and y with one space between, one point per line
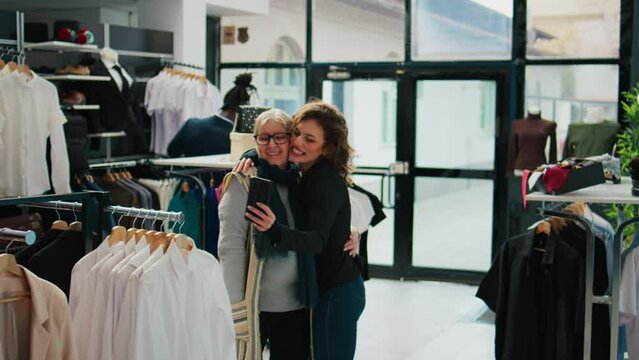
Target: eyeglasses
279 138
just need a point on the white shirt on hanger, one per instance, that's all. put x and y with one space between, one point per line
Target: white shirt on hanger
29 114
100 315
183 298
84 311
123 340
80 272
629 302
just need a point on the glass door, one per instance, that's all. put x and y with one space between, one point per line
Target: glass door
370 107
454 187
426 144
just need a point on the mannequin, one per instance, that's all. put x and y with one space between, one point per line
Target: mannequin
594 136
109 58
528 141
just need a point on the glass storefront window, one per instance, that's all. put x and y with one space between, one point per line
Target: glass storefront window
573 29
456 124
353 30
461 30
370 108
281 88
279 36
572 93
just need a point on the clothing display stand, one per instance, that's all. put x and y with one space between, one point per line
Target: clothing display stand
204 164
91 202
601 194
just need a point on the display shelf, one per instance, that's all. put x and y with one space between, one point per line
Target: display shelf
107 134
222 161
80 107
72 77
144 54
602 194
61 46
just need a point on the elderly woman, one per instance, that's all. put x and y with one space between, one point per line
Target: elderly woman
283 283
320 147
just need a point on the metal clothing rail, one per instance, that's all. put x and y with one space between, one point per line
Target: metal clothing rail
139 213
172 63
589 298
92 204
601 194
28 236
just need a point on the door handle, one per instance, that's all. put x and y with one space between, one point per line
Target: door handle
399 168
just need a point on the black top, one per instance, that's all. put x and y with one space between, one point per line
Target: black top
535 298
199 137
323 195
538 298
55 262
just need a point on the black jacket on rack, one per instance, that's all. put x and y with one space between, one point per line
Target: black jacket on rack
538 298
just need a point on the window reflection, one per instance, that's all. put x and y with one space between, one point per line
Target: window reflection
572 93
573 29
461 29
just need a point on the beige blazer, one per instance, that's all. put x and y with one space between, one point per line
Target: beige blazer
51 334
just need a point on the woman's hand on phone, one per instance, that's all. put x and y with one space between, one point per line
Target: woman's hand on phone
261 215
243 166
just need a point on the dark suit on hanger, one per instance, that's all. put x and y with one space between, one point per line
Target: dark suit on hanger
116 113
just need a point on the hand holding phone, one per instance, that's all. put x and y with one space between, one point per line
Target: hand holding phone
260 190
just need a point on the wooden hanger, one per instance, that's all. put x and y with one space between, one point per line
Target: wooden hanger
182 242
12 65
118 232
59 224
76 225
543 227
577 208
1 64
9 265
130 233
139 234
24 69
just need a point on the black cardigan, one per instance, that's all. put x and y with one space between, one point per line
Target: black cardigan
324 201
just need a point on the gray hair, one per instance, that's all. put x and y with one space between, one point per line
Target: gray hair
275 115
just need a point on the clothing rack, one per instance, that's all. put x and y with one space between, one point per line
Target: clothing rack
602 194
589 298
203 208
27 237
15 55
171 63
92 204
113 165
139 213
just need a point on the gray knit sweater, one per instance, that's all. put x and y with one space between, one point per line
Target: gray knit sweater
279 277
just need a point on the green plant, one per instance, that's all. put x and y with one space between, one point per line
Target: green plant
627 149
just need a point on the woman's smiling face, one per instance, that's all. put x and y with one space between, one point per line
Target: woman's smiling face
274 154
307 145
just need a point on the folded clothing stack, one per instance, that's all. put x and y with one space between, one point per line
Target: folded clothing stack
634 174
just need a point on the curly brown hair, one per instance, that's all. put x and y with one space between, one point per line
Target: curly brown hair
337 150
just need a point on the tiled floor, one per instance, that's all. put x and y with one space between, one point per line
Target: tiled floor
421 320
424 320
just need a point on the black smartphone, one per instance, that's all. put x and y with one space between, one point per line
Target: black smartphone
260 190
